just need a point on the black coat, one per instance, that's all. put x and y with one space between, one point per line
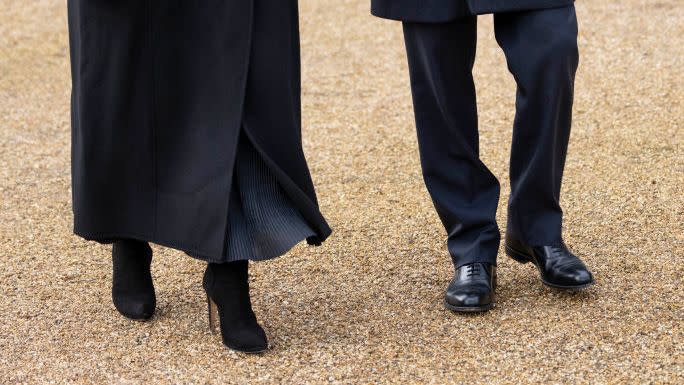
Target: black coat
444 10
158 103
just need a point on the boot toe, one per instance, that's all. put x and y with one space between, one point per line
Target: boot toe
246 339
136 309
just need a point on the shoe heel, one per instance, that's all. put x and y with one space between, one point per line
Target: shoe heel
516 256
212 311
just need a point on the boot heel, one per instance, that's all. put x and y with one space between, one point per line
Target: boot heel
516 256
212 311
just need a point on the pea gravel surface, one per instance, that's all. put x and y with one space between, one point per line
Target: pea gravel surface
366 307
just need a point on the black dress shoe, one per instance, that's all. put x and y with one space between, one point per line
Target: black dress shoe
559 268
472 288
132 287
230 307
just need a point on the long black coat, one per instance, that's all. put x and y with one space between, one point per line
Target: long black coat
433 11
158 103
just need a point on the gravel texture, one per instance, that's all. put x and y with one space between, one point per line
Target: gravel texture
367 306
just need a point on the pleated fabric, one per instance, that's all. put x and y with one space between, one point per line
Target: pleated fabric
263 223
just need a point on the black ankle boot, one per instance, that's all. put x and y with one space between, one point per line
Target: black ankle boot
227 288
132 287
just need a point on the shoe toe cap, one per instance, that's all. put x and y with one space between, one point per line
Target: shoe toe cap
582 277
572 277
469 299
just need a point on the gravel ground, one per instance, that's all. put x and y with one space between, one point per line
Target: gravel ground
367 306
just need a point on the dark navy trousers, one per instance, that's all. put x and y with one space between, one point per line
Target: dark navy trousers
541 51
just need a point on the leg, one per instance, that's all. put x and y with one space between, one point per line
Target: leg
541 50
465 193
263 222
227 288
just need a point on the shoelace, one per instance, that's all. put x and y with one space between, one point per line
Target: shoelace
559 249
565 258
473 269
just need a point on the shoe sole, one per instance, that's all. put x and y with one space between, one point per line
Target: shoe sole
256 351
136 317
468 309
524 258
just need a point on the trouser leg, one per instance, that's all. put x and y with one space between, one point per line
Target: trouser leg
541 51
464 192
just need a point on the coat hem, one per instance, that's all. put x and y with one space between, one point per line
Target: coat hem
504 6
108 238
395 12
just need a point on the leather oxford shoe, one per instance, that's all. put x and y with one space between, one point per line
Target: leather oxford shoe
472 289
559 268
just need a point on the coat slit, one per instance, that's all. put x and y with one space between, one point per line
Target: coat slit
263 222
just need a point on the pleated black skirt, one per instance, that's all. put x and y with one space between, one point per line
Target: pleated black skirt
263 223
